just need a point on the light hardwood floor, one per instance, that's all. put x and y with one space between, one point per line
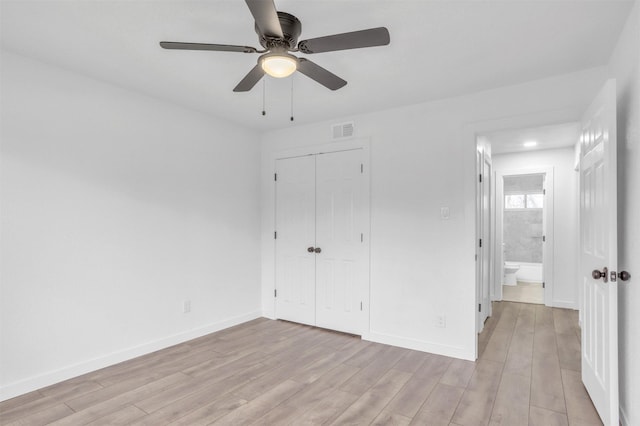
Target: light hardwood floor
523 292
273 372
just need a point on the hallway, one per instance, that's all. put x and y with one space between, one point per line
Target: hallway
533 352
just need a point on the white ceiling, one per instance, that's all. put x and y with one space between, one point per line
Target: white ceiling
547 137
438 49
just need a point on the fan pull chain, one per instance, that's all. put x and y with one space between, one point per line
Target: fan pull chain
264 112
291 98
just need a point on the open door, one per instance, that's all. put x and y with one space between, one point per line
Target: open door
598 253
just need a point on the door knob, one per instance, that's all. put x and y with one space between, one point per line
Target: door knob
318 250
310 249
601 274
624 275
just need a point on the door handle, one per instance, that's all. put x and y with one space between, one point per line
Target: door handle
624 275
318 250
311 249
604 274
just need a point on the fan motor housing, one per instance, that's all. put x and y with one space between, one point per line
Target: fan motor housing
291 29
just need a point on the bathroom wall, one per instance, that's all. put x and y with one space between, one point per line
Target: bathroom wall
523 227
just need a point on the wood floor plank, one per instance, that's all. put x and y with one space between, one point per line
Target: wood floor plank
390 419
125 416
474 408
543 417
413 394
498 345
511 406
439 408
367 376
328 362
411 361
328 409
209 412
10 404
253 410
580 409
569 352
184 402
308 397
43 417
546 384
101 407
459 373
366 408
486 377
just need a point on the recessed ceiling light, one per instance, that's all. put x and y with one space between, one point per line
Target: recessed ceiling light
529 144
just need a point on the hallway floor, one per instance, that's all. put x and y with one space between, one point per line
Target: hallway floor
523 292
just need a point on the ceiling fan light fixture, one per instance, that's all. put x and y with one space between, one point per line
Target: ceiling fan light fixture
279 65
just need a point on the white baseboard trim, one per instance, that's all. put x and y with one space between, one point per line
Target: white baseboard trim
564 304
12 390
420 345
624 420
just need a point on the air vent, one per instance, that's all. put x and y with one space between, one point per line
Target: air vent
343 130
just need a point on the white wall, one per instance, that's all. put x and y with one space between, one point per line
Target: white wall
565 215
116 207
423 158
625 67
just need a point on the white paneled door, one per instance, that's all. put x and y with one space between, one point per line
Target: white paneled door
319 246
295 225
598 223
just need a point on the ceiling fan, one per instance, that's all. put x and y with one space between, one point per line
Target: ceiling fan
278 34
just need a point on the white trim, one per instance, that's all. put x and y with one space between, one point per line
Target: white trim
624 420
269 249
27 385
421 345
566 304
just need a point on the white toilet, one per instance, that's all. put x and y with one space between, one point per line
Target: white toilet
510 270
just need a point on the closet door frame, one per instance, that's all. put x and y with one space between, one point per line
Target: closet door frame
269 258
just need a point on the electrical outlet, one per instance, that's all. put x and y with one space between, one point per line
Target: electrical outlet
186 306
441 321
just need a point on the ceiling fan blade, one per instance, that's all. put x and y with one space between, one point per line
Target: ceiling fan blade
266 16
250 79
205 46
319 74
353 40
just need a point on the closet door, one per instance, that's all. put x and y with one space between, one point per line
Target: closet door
339 283
295 227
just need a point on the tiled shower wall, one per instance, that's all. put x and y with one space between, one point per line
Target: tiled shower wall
523 227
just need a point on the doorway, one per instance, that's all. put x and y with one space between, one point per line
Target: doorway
523 224
319 240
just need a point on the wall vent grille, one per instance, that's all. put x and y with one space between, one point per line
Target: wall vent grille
342 130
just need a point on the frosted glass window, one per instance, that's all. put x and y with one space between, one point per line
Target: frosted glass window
515 201
534 201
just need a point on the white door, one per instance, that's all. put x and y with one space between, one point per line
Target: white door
339 239
320 253
483 229
598 225
485 310
295 234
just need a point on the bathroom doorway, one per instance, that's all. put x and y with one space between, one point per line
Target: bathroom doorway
524 205
523 237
